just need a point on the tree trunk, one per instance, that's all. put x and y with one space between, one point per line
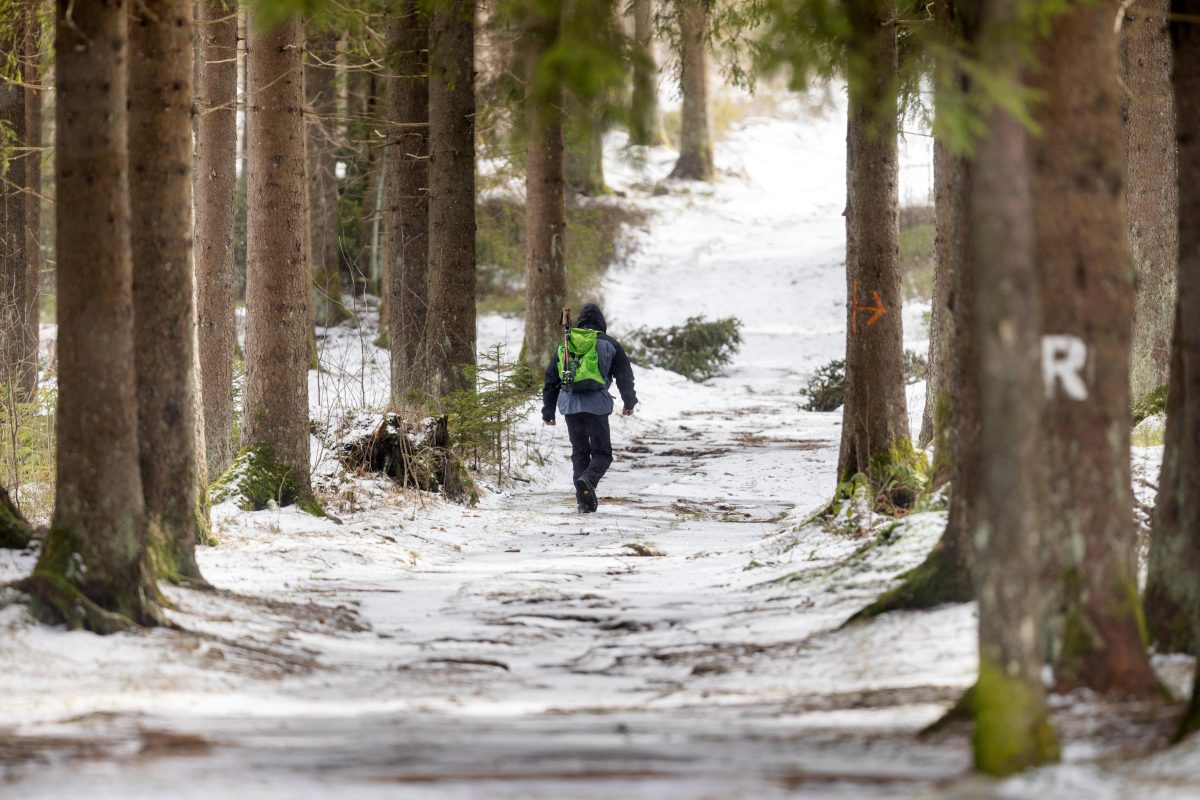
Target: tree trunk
945 576
215 183
583 157
645 126
160 194
243 169
875 431
15 355
695 141
545 213
277 274
406 232
1012 729
1172 596
941 321
319 74
92 571
369 211
1185 39
450 326
31 70
1087 300
1151 197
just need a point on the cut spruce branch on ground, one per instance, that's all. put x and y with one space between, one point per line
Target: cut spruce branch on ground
697 349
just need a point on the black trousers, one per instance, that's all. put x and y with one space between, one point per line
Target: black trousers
591 446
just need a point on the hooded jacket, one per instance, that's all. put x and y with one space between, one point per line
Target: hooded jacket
614 366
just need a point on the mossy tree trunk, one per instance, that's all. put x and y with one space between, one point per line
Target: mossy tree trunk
278 286
450 325
1151 196
1012 729
215 184
875 417
160 192
1087 301
321 144
1185 38
15 531
645 126
945 576
92 571
695 139
406 232
545 212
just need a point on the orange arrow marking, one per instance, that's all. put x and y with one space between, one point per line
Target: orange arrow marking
876 311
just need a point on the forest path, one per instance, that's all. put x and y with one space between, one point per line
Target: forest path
682 642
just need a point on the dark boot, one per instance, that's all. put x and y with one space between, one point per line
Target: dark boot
586 493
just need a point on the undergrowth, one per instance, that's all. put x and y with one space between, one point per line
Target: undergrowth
483 423
917 237
27 451
598 237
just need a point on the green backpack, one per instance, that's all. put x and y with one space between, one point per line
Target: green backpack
580 372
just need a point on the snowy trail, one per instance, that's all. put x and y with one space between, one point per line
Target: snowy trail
683 643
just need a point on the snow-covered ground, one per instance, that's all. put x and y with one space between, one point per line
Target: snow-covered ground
685 642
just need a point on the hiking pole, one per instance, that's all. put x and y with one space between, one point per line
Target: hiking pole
568 376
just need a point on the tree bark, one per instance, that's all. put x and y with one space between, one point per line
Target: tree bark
1185 40
31 70
319 75
545 212
695 141
160 193
945 576
583 153
16 358
215 186
1087 297
951 199
369 211
1150 195
406 232
277 274
947 170
450 325
92 570
875 430
645 126
1012 729
1172 597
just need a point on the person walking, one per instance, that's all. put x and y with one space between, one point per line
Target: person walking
593 362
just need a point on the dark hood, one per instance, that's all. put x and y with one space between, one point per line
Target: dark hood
592 317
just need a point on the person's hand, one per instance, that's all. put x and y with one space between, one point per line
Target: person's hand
626 412
550 422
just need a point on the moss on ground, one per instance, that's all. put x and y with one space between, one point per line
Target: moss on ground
256 479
